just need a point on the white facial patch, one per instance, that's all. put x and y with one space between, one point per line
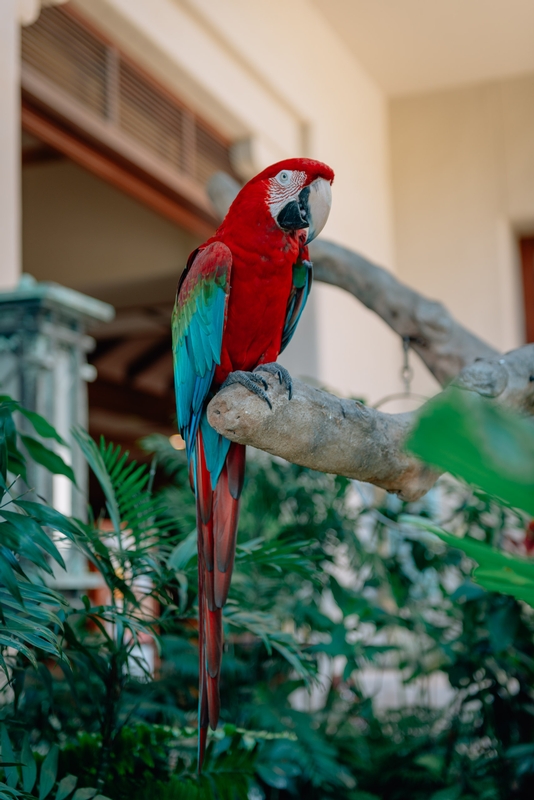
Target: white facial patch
284 187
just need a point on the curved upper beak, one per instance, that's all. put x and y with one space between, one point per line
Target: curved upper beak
319 203
310 210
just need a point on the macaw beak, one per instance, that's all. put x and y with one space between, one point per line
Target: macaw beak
319 203
310 210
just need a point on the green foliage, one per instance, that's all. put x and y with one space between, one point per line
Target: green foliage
30 612
47 458
481 442
498 571
486 445
382 583
36 776
330 582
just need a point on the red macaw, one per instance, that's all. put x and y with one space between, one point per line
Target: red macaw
238 303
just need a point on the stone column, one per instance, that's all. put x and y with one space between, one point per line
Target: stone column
43 346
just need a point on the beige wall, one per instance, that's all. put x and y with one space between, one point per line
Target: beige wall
85 234
463 188
277 72
9 144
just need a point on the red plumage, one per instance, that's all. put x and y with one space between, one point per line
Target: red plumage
257 312
263 257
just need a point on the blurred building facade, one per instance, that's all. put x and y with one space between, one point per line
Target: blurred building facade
128 106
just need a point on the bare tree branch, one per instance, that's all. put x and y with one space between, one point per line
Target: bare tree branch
344 437
508 378
317 430
443 344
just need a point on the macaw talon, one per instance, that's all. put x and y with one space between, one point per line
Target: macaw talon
254 383
281 373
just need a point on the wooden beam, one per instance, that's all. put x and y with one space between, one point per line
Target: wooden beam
114 364
39 154
157 378
126 400
106 137
119 427
136 321
52 134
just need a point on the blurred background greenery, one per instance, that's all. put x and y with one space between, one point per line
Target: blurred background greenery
363 660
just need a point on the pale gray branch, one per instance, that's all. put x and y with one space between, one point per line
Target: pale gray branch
344 437
320 431
222 190
509 378
443 344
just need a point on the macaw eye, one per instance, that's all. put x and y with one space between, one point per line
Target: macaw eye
283 177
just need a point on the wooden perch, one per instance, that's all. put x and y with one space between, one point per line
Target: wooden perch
507 378
320 431
317 430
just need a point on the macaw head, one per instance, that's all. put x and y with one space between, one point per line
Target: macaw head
299 194
294 194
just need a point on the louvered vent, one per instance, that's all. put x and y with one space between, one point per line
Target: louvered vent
61 51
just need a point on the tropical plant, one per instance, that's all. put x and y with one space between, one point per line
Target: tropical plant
334 588
494 449
29 611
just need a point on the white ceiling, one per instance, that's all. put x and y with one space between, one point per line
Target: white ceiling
411 46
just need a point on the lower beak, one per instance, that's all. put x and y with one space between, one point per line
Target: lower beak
294 215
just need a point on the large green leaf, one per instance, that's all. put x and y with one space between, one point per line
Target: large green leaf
497 571
66 786
39 423
12 773
48 775
84 794
47 458
32 537
96 462
49 517
8 576
29 767
479 441
183 553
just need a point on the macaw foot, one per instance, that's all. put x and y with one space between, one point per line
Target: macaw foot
281 373
250 381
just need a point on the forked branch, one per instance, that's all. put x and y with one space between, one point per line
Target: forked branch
321 431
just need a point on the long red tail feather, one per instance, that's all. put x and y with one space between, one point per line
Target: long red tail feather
217 519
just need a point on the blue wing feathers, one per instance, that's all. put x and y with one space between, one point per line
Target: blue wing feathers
215 449
199 327
198 330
